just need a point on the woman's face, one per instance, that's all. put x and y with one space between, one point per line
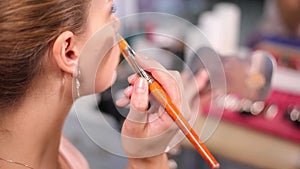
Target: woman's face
100 55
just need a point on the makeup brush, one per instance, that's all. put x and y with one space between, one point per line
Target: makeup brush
162 97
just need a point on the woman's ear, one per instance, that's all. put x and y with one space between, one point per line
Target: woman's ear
65 52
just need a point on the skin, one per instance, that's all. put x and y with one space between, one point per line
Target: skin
35 126
157 125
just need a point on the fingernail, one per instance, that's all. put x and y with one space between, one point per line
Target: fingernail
131 78
122 102
140 85
128 90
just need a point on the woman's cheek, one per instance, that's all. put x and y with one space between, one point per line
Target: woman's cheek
107 71
104 82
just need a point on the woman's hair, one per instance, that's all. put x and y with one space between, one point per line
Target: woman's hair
28 29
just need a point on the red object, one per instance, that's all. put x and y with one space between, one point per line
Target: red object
279 126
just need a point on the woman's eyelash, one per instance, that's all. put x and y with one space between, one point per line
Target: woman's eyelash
113 8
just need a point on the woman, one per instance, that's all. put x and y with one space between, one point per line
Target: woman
40 45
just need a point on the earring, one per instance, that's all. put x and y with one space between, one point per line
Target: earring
77 83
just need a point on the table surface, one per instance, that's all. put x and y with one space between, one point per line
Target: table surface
250 146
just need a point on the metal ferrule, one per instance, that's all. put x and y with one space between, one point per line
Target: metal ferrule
132 62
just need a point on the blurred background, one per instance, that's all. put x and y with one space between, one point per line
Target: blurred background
258 42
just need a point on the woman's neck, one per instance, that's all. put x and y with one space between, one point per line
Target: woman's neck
33 130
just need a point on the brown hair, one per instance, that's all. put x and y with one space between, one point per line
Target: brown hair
28 28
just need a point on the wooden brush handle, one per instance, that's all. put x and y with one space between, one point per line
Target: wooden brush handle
161 96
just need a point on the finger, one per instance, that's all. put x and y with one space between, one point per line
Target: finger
169 81
139 102
169 84
128 91
122 102
177 77
162 75
132 78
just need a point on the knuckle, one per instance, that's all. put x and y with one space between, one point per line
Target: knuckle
139 105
